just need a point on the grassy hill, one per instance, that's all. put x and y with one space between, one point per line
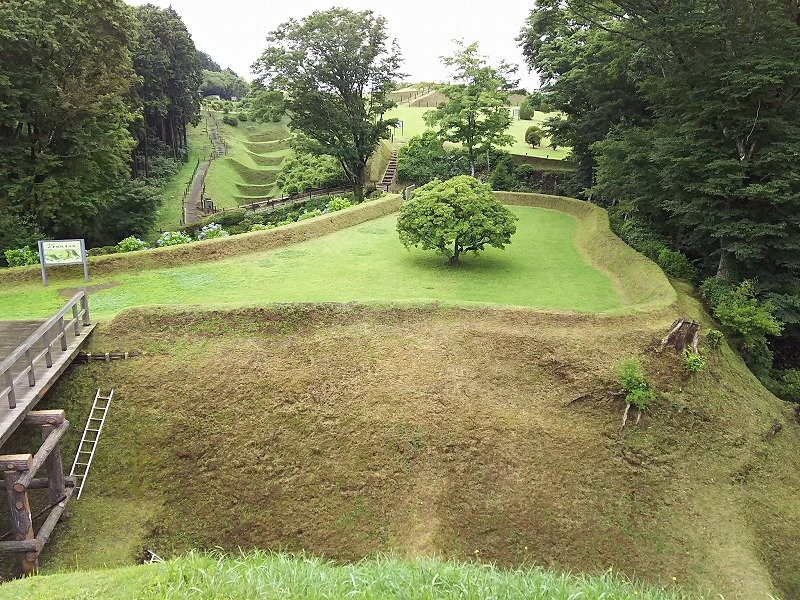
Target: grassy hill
255 154
260 575
349 429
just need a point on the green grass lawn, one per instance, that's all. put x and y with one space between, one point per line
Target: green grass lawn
414 124
169 215
261 575
542 268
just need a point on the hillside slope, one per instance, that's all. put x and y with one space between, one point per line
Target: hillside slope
347 430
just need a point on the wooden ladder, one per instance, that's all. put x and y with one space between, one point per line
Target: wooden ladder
89 439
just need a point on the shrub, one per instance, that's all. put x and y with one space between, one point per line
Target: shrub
229 120
260 227
534 135
172 238
242 116
309 215
693 362
715 290
212 231
714 339
131 244
455 216
633 381
529 106
676 264
19 257
338 203
790 386
102 250
307 171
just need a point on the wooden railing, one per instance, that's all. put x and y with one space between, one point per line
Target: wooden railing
55 329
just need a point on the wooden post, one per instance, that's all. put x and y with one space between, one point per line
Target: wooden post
15 466
50 420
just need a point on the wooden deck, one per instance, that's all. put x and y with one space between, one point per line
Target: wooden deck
33 354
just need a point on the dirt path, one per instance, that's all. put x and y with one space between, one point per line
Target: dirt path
195 197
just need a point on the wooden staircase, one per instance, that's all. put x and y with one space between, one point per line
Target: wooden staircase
391 172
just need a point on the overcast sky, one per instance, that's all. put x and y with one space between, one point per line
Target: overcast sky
233 32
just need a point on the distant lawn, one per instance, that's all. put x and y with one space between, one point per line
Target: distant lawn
542 268
414 124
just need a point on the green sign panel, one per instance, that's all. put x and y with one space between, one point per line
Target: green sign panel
63 252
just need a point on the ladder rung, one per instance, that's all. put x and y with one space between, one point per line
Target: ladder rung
92 430
104 397
95 419
81 464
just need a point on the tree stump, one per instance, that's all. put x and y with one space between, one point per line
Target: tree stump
682 335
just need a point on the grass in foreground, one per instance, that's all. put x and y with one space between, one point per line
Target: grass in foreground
281 576
542 268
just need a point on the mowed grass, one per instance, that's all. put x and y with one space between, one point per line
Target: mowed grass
263 575
414 124
541 268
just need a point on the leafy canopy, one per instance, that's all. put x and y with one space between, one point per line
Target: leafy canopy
336 68
476 113
455 216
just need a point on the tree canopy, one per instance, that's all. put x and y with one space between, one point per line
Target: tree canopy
225 84
455 216
476 113
685 114
336 68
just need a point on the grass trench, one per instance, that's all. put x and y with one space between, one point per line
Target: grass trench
542 268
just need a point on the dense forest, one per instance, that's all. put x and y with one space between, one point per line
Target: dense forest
683 119
96 100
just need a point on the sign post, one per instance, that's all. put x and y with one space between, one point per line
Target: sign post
63 252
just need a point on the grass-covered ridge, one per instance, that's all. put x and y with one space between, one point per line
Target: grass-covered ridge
542 269
264 575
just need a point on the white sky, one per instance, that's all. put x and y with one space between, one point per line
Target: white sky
233 32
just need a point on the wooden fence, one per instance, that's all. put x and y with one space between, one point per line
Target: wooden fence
55 329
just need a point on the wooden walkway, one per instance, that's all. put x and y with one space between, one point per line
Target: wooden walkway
34 354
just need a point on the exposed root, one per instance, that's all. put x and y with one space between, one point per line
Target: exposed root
625 417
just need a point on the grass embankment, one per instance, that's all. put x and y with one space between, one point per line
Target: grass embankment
349 430
249 170
169 215
542 268
266 576
413 118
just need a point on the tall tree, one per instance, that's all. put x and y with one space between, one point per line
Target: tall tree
476 113
65 82
688 113
336 68
168 64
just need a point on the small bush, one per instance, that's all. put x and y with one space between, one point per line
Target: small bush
172 238
675 264
790 386
714 339
242 116
260 227
229 120
131 244
693 362
715 290
212 231
309 215
338 203
102 250
19 257
633 381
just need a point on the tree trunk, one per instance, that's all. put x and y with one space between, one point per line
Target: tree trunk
725 267
682 335
456 254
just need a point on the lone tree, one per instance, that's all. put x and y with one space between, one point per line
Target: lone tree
336 68
534 135
455 216
476 113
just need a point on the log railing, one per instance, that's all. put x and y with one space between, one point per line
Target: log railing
72 317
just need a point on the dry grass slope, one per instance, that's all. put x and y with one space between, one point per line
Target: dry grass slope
348 430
